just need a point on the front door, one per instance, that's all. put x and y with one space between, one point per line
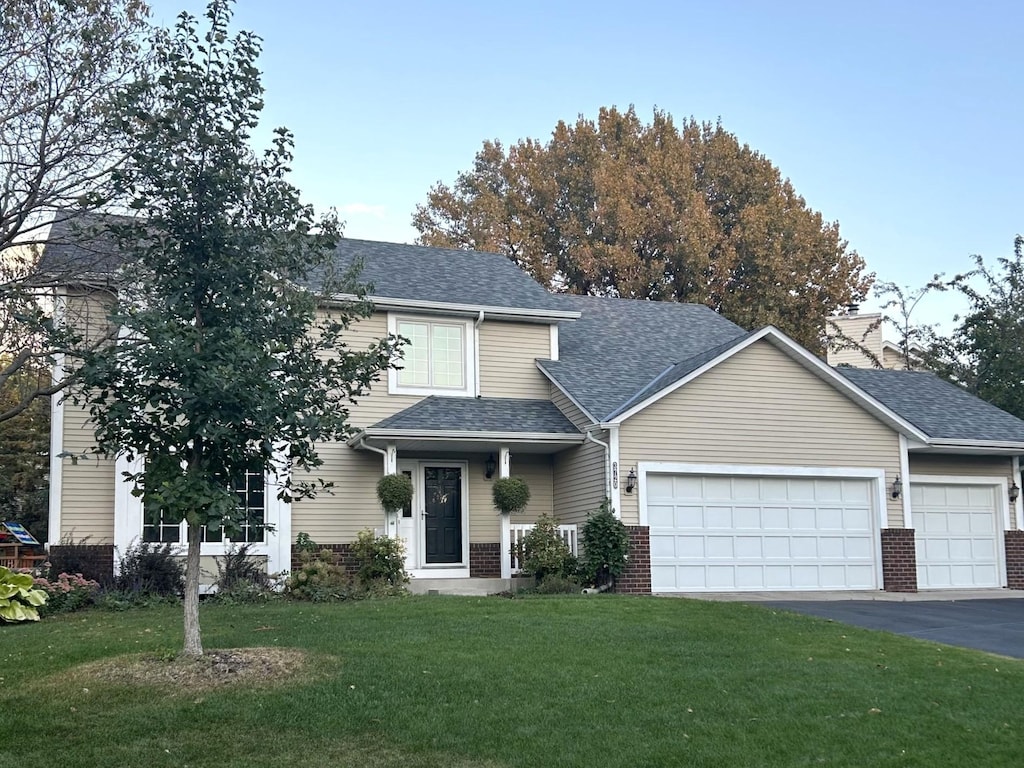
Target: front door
442 514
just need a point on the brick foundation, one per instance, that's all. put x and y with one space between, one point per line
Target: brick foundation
93 561
1014 559
484 561
636 577
343 552
899 560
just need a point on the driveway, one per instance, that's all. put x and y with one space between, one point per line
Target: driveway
996 626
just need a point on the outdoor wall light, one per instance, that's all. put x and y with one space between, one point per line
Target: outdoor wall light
631 481
489 466
897 488
1014 493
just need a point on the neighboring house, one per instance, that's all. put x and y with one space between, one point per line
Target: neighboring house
738 460
856 339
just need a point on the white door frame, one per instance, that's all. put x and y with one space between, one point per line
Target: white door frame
416 560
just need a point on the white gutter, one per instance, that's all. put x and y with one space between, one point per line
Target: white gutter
444 307
510 437
588 437
476 349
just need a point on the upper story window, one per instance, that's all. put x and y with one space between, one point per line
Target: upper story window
437 358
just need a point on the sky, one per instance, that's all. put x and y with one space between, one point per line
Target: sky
900 119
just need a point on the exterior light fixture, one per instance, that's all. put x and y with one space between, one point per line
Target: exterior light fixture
631 481
1014 493
489 467
897 488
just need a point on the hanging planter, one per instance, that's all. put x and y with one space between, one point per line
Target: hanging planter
394 492
511 494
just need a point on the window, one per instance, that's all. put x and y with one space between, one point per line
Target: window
158 529
436 358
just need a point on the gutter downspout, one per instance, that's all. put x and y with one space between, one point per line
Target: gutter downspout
588 437
476 350
391 525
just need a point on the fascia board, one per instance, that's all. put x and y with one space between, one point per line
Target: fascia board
565 392
443 307
976 445
435 435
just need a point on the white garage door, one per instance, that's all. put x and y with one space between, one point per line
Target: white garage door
722 533
957 535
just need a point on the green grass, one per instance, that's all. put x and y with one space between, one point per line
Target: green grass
453 682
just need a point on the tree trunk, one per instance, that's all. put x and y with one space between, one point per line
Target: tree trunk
193 638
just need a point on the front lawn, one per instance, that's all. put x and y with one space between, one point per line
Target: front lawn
435 681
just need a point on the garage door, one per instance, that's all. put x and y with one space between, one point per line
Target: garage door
957 535
721 533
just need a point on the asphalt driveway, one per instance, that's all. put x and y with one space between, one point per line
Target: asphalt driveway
996 626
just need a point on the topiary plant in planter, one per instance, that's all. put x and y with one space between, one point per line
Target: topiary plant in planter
511 494
394 492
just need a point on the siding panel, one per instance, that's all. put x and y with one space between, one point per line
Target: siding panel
507 355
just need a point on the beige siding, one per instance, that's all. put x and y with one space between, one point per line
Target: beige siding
87 488
535 469
855 328
969 466
759 407
569 409
507 355
580 472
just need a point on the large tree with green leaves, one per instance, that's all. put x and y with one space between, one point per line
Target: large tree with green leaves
60 63
985 351
659 211
225 363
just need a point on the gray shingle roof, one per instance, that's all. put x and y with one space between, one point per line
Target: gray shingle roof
936 407
481 414
621 347
73 248
421 273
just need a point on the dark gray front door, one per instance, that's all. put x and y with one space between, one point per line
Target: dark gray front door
443 514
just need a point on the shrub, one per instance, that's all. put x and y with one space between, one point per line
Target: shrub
605 544
81 557
319 578
241 578
394 491
511 494
381 561
149 570
19 599
544 552
67 592
557 584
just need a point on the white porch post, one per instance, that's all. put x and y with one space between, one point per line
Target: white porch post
1018 505
390 468
504 470
908 517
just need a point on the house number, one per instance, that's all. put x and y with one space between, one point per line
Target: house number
615 474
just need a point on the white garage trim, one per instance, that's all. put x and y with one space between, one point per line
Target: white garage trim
874 480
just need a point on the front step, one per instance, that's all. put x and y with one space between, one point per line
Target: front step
460 586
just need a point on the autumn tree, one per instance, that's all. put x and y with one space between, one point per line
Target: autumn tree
60 63
225 364
617 207
985 351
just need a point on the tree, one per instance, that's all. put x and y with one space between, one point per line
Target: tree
24 450
985 352
224 364
60 61
616 207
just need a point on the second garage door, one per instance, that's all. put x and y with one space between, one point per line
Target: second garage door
726 532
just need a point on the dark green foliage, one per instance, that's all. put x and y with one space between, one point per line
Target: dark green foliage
150 570
319 578
557 584
242 577
511 494
604 542
381 560
394 491
24 452
544 552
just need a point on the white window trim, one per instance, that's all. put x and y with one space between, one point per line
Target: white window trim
470 346
128 519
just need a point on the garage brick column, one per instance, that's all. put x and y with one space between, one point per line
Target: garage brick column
899 560
636 576
1014 559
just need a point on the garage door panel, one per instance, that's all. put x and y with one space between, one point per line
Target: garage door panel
763 533
957 534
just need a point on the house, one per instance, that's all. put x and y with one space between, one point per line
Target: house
856 339
738 460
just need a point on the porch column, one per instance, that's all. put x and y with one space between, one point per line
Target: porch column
390 468
504 470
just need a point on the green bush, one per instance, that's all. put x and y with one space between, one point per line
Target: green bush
394 491
544 553
71 556
604 541
19 598
319 578
511 494
557 584
241 578
381 562
150 570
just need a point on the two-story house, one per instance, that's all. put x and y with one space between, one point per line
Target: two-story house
738 460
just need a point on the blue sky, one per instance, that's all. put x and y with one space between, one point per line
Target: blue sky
900 120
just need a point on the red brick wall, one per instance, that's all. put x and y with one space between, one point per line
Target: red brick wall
484 561
636 577
93 561
1014 559
345 556
899 560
